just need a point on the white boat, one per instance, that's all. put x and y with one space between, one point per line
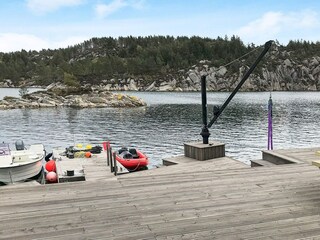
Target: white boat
20 164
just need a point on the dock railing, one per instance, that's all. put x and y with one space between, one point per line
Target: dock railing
115 166
112 161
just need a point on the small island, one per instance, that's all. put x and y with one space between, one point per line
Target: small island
58 95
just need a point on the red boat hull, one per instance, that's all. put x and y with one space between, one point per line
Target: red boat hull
133 164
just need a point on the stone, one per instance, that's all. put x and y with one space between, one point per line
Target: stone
287 63
316 71
151 87
133 85
193 77
91 100
222 71
166 88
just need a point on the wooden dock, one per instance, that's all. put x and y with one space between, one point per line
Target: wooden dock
288 156
214 199
84 169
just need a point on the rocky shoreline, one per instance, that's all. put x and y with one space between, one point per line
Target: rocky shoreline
59 97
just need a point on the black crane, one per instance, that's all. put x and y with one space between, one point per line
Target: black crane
218 110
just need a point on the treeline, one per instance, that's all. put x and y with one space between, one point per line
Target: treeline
301 49
137 57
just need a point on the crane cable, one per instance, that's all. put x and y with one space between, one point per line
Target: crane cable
237 59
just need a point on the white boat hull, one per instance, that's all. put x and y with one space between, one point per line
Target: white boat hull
21 165
20 173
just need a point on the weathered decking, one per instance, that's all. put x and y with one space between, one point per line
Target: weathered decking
219 199
297 155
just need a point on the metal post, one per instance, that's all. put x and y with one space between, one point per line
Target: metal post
108 156
43 177
270 140
115 164
205 131
111 162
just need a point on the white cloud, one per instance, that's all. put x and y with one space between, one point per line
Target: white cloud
309 19
10 42
274 25
43 6
106 9
270 22
69 41
103 10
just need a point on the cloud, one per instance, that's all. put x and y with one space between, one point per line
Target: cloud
106 9
10 42
309 19
103 10
69 41
43 6
270 21
273 25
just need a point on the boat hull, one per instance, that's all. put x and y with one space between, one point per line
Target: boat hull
17 166
20 173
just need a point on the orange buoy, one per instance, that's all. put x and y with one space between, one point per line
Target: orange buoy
87 154
52 177
51 166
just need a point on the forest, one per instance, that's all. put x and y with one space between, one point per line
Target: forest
136 57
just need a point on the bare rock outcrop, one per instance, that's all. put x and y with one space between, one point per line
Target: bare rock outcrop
95 99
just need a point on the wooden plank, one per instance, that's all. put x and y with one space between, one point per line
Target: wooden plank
90 169
190 200
261 163
306 155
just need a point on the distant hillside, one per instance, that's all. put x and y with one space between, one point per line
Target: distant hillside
164 63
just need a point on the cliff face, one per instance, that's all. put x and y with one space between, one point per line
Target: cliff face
288 75
279 71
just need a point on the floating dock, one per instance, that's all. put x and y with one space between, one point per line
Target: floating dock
214 199
82 168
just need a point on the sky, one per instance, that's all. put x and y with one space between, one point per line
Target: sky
51 24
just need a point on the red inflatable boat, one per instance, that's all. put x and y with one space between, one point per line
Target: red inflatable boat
132 159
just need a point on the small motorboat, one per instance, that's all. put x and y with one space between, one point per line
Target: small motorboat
132 159
20 164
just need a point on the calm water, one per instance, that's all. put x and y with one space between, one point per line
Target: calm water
169 120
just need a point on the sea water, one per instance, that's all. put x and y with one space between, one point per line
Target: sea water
170 119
